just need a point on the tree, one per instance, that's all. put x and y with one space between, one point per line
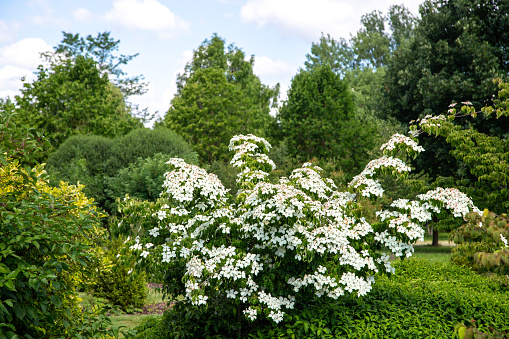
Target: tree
317 120
219 95
102 49
458 48
72 96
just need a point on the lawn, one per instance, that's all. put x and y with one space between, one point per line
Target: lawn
127 321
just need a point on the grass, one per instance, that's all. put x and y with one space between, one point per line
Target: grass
130 321
127 321
433 257
442 236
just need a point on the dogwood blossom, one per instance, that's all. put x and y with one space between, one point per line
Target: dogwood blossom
398 140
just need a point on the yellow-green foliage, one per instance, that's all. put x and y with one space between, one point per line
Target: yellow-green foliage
46 239
115 278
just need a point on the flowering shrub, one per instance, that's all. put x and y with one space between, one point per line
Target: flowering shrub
277 244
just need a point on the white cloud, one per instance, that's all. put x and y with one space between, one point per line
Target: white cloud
24 53
308 19
10 80
301 17
266 68
18 60
147 15
82 15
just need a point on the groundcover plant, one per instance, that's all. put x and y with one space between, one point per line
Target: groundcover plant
276 244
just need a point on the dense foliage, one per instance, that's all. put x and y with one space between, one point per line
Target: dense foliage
317 119
45 239
98 163
218 96
458 48
72 96
423 299
482 243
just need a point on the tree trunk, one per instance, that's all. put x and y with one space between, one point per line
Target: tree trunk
435 239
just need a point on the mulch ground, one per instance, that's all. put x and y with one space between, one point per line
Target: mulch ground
157 308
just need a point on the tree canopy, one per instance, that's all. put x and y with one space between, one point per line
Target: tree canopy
72 96
218 95
458 48
317 119
102 49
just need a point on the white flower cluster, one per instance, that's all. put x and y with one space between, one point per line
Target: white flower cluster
324 285
248 146
308 180
189 184
370 186
229 250
398 139
452 199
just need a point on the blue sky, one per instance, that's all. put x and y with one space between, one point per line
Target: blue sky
164 33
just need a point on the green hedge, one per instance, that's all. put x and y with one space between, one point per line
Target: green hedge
422 300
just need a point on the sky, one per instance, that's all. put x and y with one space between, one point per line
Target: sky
279 34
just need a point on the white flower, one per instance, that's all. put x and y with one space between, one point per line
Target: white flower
154 232
504 240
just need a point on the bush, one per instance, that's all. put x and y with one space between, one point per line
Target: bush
275 247
116 280
142 179
82 158
482 243
45 236
96 162
144 143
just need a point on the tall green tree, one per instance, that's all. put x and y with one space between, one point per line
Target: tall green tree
218 96
102 49
317 120
72 96
458 48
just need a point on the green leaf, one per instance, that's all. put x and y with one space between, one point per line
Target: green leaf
56 300
55 284
20 311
